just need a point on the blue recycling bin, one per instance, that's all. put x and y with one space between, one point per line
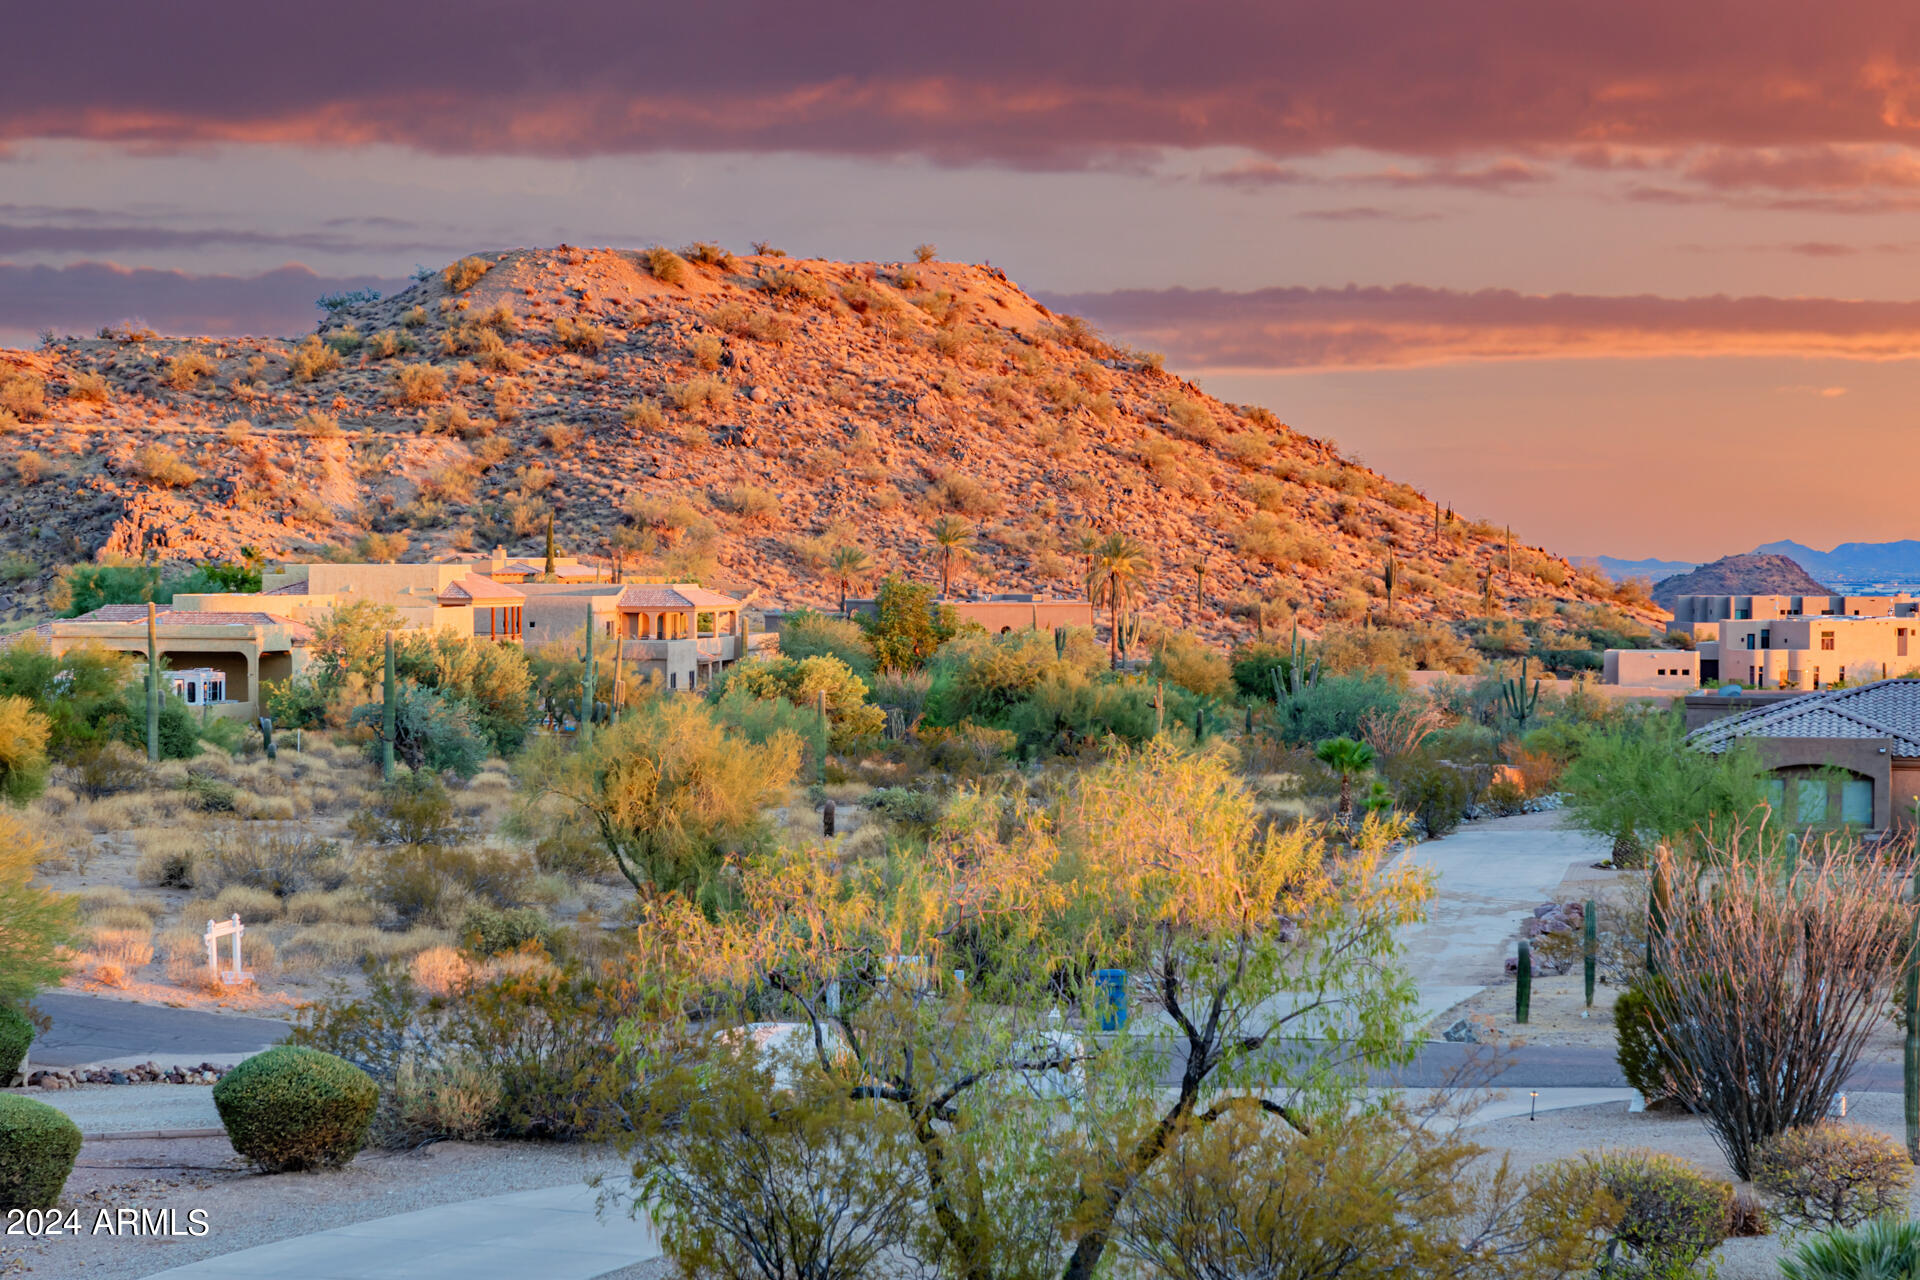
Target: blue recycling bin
1113 998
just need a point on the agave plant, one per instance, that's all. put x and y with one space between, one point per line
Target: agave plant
1883 1249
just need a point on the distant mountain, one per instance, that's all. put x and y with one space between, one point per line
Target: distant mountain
1754 575
1621 570
1871 561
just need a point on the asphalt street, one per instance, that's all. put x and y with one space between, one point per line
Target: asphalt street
95 1029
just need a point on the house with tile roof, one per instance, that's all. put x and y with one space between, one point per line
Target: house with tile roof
679 633
230 652
1843 757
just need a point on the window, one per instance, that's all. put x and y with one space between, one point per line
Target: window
193 692
1900 641
1810 804
1750 640
1777 793
1856 802
1826 639
673 680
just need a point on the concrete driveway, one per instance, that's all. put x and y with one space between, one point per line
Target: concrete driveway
1490 877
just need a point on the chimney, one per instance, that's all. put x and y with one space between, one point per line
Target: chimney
499 559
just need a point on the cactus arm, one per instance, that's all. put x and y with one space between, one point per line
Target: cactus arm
1523 987
1590 946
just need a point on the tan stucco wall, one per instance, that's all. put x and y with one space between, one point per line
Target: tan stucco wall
1863 649
1655 668
1871 758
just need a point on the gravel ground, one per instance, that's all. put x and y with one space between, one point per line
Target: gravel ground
245 1209
1560 1133
115 1108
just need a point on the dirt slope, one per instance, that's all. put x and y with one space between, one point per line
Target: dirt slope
737 418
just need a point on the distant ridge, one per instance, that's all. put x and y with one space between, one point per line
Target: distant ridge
1754 575
1848 565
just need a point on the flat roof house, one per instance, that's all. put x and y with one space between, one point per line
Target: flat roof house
223 654
1842 758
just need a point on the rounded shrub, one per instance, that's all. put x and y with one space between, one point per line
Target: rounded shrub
1833 1175
1642 1061
296 1108
1671 1214
16 1033
38 1146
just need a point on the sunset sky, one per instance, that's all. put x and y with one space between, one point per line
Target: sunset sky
1643 278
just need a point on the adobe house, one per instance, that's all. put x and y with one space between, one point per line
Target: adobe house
679 633
1651 668
1842 758
227 653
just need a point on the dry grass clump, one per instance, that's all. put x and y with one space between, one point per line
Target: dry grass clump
245 900
644 415
797 286
1190 418
579 335
416 384
954 491
24 396
743 322
464 274
665 265
329 906
113 953
710 255
336 945
167 858
1248 448
705 352
751 503
441 970
700 393
29 465
157 464
184 372
88 388
311 359
317 424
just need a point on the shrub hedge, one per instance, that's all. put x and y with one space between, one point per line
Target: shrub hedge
296 1108
16 1033
1642 1061
38 1146
1671 1214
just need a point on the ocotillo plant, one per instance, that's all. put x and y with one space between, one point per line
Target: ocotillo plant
1911 1063
1590 946
1523 987
1518 699
589 686
153 685
389 697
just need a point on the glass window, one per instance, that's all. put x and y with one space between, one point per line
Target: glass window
1810 806
1777 793
1856 802
193 691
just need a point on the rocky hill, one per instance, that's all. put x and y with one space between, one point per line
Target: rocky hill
1751 575
703 415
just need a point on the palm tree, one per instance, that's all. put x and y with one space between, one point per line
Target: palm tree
951 535
1086 545
1348 759
1120 565
849 564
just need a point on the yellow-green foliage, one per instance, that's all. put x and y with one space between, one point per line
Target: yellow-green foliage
35 922
644 415
311 359
23 750
667 266
802 681
1190 662
1832 1175
700 393
89 388
296 1108
23 395
158 464
418 384
464 274
579 335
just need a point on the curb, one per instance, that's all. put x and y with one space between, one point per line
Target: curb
126 1134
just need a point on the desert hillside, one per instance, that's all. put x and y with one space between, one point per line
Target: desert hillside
712 416
1750 575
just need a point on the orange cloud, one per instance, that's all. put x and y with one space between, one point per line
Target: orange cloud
1404 325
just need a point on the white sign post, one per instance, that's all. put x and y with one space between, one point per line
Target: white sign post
226 929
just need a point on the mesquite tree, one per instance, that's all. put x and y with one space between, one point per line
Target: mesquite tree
1774 974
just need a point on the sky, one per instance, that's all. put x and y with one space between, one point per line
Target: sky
1639 278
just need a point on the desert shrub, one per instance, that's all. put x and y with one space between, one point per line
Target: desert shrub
1338 707
433 730
1883 1249
579 335
458 1099
797 286
1643 1062
464 274
644 415
311 359
24 396
751 503
1670 1214
802 682
23 749
907 811
415 808
88 388
1832 1175
489 931
206 794
296 1108
157 464
38 1146
183 372
1186 660
962 493
282 863
426 881
1434 791
699 393
16 1033
35 922
806 634
666 266
416 384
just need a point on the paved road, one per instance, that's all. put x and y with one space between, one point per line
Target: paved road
94 1029
1566 1067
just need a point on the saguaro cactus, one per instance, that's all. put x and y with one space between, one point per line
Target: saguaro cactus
1199 725
266 738
1389 578
1518 699
389 711
1523 987
1659 902
1590 945
826 819
549 573
589 683
153 685
1059 642
1911 1062
1159 707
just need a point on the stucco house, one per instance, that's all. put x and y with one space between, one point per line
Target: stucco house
1845 757
221 656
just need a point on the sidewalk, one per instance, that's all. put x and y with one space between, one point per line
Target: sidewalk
552 1234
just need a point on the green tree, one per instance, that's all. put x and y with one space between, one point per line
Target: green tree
1348 759
908 625
802 682
1029 1140
672 793
951 537
495 680
849 564
35 922
433 730
1639 783
81 693
805 634
1120 567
